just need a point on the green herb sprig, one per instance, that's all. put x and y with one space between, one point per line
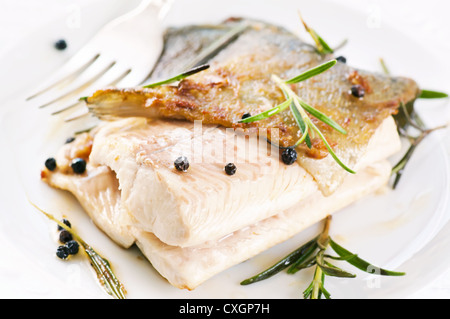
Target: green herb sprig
428 94
313 253
415 141
179 77
321 45
102 267
300 109
409 119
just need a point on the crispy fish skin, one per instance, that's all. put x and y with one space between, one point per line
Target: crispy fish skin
239 75
239 82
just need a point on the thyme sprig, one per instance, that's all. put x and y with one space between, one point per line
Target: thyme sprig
102 267
300 110
313 254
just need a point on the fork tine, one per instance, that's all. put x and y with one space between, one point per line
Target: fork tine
134 78
70 70
105 81
99 63
91 75
66 108
83 112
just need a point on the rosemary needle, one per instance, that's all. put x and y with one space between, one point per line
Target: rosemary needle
313 254
299 78
408 118
101 265
299 108
321 45
428 94
312 72
179 77
261 116
301 116
359 263
282 264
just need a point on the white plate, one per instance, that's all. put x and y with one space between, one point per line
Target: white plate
404 230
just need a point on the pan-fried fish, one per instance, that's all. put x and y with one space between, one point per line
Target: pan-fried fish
192 225
239 82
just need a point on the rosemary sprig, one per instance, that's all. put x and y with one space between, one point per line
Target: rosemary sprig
321 45
301 106
179 77
102 267
302 77
399 168
266 114
313 254
300 110
406 119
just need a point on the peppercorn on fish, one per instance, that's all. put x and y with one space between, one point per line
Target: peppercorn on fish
190 218
192 225
239 82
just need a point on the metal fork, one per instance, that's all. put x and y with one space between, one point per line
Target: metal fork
122 53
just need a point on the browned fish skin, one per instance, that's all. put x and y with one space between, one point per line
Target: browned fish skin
239 82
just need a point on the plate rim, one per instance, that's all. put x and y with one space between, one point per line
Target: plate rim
447 184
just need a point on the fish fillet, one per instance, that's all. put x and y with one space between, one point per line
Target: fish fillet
99 192
188 208
187 268
192 225
239 81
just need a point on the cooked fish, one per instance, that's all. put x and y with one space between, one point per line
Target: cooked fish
187 268
188 208
239 82
97 191
193 224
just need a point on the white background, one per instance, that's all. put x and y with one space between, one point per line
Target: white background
427 21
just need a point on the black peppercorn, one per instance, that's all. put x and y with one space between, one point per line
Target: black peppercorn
181 164
246 115
65 236
65 222
50 164
70 140
230 169
73 247
61 44
78 165
341 59
289 156
62 252
358 91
